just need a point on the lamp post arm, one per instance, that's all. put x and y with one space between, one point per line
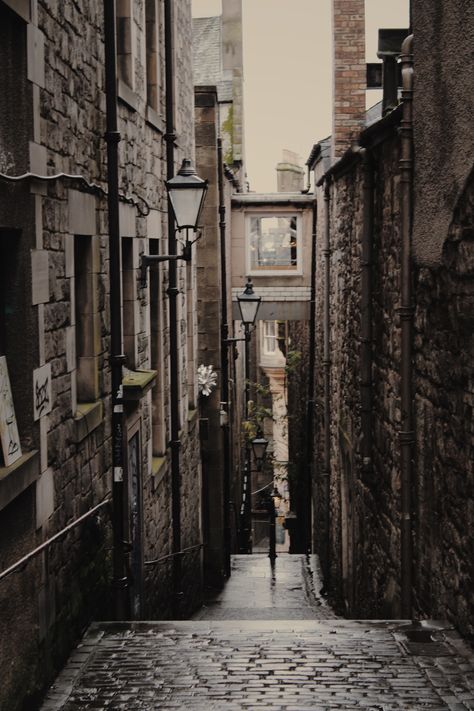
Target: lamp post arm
146 260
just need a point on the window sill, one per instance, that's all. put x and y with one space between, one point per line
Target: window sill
137 383
158 470
88 417
127 96
18 477
192 415
155 120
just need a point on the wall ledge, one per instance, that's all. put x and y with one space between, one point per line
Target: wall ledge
18 477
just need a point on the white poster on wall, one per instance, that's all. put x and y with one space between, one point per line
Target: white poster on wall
42 391
8 428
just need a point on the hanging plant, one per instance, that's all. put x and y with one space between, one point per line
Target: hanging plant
207 379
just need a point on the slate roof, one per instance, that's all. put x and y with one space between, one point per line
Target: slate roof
207 56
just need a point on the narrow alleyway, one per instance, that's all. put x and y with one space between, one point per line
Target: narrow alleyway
267 641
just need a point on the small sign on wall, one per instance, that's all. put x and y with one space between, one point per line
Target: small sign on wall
42 398
8 428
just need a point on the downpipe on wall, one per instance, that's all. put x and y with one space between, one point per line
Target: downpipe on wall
327 377
308 498
120 581
407 310
173 291
366 348
224 362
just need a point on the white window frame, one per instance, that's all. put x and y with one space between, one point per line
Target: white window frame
298 270
270 337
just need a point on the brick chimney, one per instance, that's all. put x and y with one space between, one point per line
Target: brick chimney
350 76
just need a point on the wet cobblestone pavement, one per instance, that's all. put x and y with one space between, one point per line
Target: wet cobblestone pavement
308 661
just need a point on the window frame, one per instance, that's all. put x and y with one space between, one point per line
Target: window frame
280 272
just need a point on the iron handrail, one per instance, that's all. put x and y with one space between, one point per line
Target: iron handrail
26 559
173 555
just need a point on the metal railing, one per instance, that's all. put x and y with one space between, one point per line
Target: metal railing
32 554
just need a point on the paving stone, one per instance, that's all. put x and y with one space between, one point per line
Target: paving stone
219 662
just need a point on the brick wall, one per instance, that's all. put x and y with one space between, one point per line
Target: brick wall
349 73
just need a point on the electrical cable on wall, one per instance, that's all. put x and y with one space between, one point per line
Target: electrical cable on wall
139 203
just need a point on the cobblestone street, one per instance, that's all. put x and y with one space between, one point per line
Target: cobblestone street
267 641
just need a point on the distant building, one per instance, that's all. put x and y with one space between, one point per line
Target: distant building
218 62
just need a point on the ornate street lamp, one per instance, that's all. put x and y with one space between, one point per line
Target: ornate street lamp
259 449
276 496
187 192
249 304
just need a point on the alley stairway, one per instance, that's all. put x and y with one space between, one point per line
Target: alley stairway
267 641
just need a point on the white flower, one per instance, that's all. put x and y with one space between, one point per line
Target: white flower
207 379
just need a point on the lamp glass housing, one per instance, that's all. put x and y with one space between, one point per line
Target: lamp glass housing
276 496
249 304
187 192
259 449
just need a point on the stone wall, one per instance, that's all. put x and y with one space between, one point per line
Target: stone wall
209 313
444 377
67 469
444 66
365 498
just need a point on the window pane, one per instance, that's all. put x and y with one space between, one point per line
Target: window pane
273 243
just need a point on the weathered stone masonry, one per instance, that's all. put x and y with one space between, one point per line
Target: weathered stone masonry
57 125
365 500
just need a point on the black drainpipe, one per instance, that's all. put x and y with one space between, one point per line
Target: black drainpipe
173 291
311 384
327 379
117 359
407 311
366 392
224 363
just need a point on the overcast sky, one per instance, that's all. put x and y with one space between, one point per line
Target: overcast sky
287 71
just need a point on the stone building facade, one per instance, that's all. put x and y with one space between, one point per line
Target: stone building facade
55 328
363 501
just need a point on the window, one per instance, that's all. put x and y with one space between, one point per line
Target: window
157 359
129 303
270 335
87 321
152 54
10 339
124 42
274 243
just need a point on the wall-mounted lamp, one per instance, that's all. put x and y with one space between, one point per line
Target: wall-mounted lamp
186 192
276 496
259 449
249 304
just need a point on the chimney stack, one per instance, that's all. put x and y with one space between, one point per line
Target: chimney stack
290 175
350 74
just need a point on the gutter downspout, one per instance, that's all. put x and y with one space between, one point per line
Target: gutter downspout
224 363
173 291
120 583
327 378
311 387
366 392
407 435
